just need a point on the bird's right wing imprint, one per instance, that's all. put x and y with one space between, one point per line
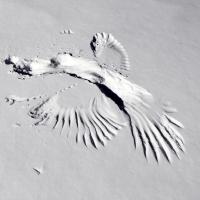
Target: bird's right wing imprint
156 131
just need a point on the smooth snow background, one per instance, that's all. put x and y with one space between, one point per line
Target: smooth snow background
162 39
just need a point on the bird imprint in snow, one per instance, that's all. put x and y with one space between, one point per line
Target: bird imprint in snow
150 123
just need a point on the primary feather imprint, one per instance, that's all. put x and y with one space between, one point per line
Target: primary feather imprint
94 126
102 40
150 123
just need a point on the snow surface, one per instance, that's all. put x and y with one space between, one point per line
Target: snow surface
163 43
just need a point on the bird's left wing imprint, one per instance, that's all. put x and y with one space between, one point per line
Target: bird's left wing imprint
92 125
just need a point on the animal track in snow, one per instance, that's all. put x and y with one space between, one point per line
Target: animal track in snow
149 122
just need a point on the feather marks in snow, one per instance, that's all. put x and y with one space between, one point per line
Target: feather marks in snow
94 125
157 132
104 40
